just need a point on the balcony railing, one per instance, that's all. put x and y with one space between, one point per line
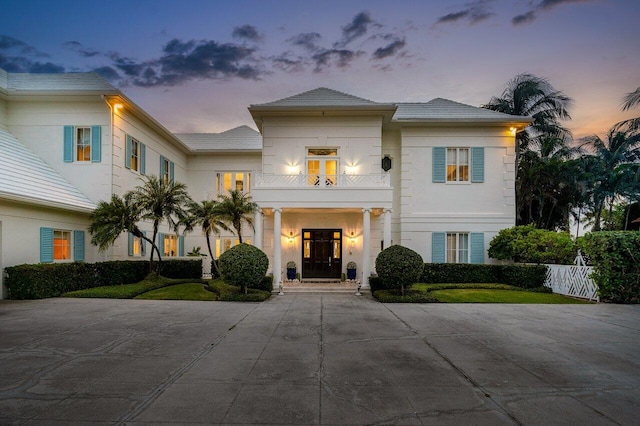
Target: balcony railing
315 181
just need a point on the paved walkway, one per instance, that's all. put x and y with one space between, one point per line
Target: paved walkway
317 359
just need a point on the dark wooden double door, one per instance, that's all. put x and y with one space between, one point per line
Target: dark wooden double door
321 253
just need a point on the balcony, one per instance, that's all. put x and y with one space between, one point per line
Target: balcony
322 181
323 191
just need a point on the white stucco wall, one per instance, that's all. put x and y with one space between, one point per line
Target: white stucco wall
20 232
428 207
286 140
40 126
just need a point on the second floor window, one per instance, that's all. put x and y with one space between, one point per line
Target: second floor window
83 143
135 155
457 164
227 181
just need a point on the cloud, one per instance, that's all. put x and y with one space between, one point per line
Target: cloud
544 5
341 58
288 62
78 47
247 32
18 56
107 72
391 49
307 41
358 27
193 60
474 12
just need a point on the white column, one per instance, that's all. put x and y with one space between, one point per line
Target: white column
386 235
257 224
366 247
277 248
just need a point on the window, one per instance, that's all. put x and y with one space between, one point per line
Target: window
61 245
135 153
166 170
322 166
137 246
457 247
170 246
457 164
82 144
224 244
227 181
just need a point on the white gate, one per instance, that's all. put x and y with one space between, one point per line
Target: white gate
572 280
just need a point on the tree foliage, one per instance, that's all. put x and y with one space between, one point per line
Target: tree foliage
243 266
236 208
528 244
399 267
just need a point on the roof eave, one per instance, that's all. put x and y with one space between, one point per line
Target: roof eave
46 203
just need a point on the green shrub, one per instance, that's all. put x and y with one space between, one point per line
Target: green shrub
181 268
266 284
410 296
615 256
528 244
214 270
243 266
375 283
120 272
524 276
399 267
460 273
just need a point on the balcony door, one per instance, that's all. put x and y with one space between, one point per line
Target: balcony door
321 253
322 166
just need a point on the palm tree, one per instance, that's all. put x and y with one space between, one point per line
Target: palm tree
629 101
159 201
207 215
531 96
110 219
237 208
615 167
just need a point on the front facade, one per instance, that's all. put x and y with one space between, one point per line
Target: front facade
337 177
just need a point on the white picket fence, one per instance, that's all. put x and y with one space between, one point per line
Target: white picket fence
572 280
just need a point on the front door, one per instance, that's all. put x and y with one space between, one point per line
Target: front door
321 253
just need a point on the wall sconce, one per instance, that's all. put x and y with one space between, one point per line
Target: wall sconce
116 107
293 168
351 169
512 130
386 163
290 238
352 242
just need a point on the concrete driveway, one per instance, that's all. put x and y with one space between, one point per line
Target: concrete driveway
317 359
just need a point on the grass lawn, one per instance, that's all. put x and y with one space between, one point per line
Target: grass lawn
471 293
500 296
160 288
189 291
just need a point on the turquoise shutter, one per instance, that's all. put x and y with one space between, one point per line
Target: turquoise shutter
130 245
439 164
437 247
171 167
162 171
143 158
127 152
161 243
68 144
46 245
181 245
78 246
477 247
96 144
477 164
143 243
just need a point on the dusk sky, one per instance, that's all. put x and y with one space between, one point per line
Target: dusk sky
197 65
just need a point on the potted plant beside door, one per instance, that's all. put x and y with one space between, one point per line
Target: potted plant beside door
351 270
291 270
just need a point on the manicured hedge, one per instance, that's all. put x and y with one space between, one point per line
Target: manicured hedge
615 256
524 276
266 284
399 267
53 279
243 266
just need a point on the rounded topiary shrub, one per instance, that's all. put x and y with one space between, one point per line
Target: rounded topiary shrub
399 267
243 266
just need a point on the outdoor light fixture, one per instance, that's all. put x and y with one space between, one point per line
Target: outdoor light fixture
352 242
513 130
290 238
386 163
116 107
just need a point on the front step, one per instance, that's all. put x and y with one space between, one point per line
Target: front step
319 286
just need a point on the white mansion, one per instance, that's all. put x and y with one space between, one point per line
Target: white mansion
337 177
